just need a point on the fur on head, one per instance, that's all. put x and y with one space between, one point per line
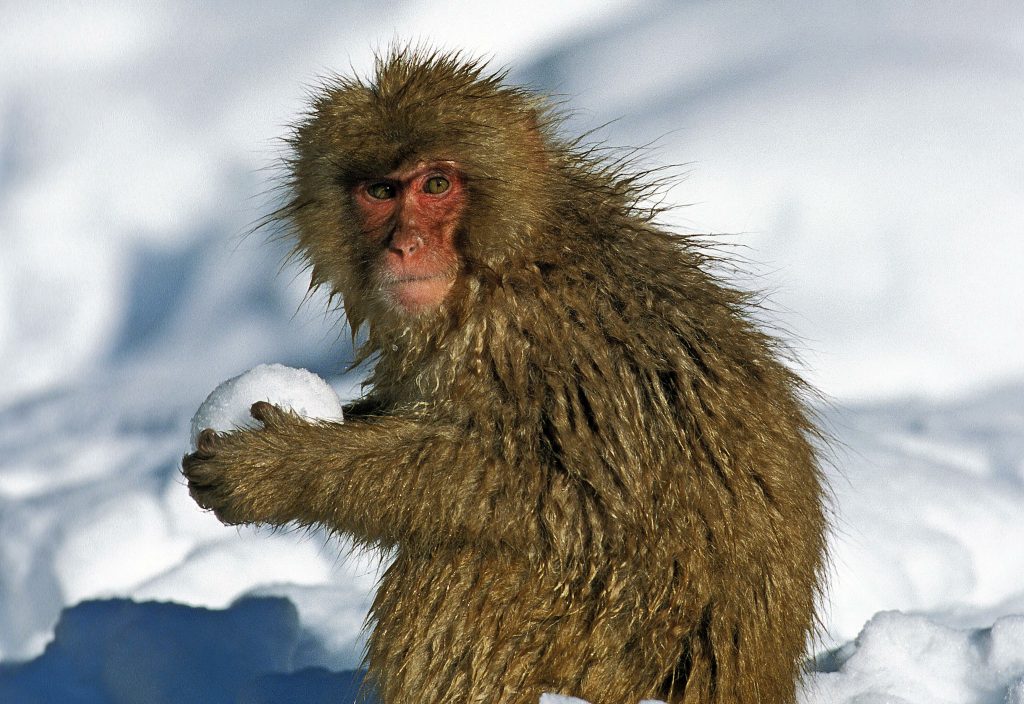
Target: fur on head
524 181
418 107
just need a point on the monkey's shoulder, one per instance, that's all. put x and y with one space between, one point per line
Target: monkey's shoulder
568 318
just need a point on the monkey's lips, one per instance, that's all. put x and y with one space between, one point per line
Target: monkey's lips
420 293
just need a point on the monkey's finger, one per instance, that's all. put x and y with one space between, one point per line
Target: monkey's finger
197 489
202 494
191 463
266 412
205 442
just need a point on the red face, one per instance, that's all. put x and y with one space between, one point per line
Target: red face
410 218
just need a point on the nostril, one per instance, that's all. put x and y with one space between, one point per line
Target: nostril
406 245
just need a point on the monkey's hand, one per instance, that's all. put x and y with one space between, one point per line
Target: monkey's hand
238 475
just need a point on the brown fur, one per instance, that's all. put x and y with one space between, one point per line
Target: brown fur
593 470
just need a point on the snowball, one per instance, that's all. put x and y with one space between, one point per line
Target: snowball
300 390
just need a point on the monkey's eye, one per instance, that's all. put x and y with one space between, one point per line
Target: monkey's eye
436 185
382 190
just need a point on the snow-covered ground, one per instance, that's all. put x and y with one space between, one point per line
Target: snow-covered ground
867 158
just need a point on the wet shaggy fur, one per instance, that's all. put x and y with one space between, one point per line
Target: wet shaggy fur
591 467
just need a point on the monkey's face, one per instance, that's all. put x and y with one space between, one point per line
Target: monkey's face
409 219
410 192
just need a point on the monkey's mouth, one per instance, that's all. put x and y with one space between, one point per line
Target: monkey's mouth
419 293
428 277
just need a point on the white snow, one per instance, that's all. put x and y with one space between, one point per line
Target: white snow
298 390
562 699
907 658
866 157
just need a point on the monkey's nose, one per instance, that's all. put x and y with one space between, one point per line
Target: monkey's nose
405 245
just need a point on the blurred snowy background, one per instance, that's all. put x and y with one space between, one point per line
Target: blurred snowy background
866 159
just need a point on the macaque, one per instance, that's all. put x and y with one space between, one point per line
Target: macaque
594 473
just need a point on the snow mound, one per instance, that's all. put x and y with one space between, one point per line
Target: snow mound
118 650
122 651
901 658
909 659
300 390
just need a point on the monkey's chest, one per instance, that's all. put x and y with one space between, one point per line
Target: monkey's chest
426 599
447 619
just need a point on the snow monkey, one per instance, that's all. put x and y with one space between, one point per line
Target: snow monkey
592 470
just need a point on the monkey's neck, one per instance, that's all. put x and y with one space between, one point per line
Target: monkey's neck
417 359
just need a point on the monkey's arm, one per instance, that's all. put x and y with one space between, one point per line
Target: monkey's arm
386 479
